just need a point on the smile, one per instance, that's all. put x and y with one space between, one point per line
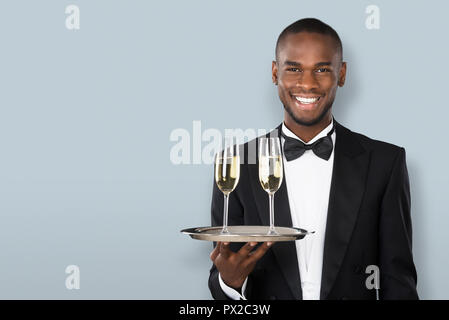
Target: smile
304 100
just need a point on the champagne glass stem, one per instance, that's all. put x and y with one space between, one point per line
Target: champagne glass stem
225 214
271 202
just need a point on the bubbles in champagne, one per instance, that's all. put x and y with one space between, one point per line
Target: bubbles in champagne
227 173
270 173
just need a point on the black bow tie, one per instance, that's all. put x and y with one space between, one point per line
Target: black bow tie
294 148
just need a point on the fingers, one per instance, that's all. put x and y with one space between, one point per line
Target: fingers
256 255
224 249
246 249
245 253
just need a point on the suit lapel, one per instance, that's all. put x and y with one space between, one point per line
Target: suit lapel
284 252
351 162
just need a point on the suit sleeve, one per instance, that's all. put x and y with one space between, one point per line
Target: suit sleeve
235 217
397 270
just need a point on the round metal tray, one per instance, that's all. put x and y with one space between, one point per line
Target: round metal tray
246 234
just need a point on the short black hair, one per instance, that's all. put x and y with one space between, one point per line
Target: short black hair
310 25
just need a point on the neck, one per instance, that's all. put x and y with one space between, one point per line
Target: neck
307 133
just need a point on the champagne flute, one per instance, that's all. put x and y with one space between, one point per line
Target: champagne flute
270 172
227 173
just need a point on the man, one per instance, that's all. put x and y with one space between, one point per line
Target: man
351 190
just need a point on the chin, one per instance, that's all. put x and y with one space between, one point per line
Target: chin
307 120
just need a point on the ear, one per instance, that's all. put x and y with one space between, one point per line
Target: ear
342 75
274 72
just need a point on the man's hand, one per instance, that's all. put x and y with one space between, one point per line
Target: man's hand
234 267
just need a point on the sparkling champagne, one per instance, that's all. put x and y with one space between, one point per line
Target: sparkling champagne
227 173
270 173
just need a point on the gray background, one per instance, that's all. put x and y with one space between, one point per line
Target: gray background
85 120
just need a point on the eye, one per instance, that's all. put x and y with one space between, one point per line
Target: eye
320 70
294 69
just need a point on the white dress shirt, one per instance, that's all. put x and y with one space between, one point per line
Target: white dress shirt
308 180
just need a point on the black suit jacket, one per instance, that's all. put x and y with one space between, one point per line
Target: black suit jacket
368 223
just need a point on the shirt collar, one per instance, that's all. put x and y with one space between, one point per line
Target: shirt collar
323 133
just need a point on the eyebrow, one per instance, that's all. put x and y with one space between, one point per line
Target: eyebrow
319 64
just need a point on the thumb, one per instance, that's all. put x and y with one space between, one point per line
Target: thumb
214 254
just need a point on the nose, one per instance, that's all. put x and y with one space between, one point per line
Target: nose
307 81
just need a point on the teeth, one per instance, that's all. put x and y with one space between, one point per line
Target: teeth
307 100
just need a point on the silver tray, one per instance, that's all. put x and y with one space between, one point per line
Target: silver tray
246 234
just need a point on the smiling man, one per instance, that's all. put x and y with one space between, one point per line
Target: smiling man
307 71
351 190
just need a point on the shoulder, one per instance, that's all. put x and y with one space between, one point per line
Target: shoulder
377 145
380 150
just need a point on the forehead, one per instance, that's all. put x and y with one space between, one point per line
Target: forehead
307 47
